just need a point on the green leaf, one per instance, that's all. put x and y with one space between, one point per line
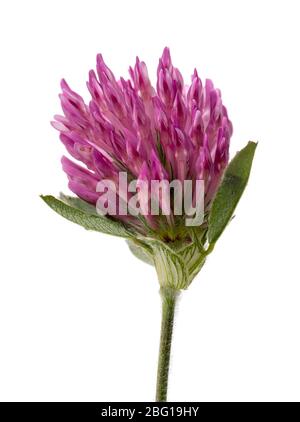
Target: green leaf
86 219
230 191
140 251
78 203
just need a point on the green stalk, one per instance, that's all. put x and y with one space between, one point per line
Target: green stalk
169 297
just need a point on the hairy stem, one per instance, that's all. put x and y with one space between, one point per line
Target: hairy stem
169 297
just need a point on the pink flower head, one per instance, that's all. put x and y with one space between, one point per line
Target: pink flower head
171 132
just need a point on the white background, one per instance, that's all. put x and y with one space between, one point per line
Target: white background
80 316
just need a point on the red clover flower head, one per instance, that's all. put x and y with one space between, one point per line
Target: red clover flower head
174 132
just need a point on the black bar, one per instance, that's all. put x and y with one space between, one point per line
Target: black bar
133 411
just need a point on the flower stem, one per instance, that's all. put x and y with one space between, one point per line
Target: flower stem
169 297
